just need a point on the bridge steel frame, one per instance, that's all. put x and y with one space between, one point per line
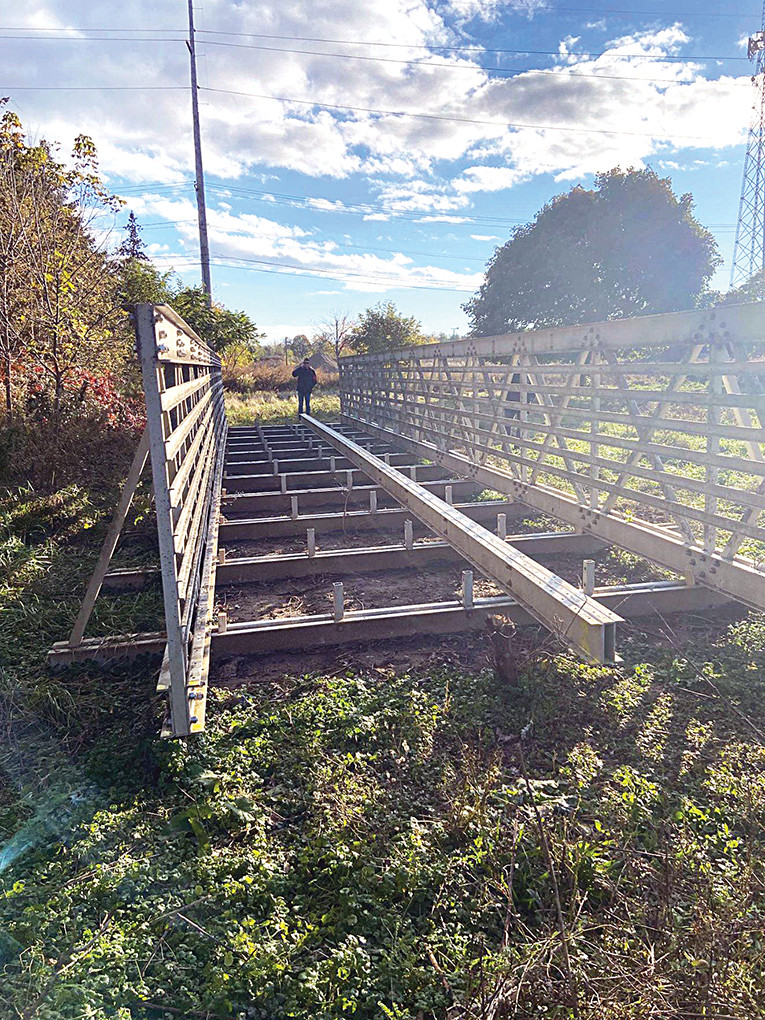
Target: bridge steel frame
644 434
647 433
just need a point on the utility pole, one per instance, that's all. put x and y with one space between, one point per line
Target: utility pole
749 250
204 245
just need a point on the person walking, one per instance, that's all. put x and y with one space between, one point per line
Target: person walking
306 380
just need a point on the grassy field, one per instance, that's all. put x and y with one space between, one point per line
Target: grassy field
376 843
277 408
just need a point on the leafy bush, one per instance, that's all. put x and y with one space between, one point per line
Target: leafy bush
269 376
88 436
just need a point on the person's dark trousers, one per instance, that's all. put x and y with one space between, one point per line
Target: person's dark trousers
304 397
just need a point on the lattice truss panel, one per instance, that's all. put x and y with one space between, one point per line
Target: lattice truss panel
647 432
187 431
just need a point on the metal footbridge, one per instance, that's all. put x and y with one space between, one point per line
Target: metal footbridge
643 434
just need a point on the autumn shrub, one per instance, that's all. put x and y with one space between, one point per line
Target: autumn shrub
87 435
265 375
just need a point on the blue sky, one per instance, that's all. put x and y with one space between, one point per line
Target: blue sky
335 199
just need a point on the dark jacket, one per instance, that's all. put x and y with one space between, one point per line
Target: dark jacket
306 378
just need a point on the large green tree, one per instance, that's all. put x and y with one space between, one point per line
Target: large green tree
224 330
383 328
629 246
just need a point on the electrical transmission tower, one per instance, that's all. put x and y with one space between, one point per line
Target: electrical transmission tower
749 250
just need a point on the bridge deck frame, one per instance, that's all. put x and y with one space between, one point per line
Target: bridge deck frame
575 618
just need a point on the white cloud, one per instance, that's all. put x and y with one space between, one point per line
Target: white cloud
248 239
652 107
488 178
489 10
485 237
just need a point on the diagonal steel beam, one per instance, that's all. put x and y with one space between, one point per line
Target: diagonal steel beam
579 621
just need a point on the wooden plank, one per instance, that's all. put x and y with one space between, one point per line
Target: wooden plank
175 395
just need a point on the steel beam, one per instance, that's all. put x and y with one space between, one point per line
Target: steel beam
374 559
370 559
575 618
745 322
313 479
634 602
273 502
386 519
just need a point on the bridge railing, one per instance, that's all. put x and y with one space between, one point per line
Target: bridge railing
646 432
187 426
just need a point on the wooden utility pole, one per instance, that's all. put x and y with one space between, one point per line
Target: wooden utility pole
204 246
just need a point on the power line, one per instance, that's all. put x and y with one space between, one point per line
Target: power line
364 210
93 88
311 204
73 28
448 120
91 38
289 269
341 275
461 49
495 72
341 244
654 14
430 47
547 8
518 125
502 72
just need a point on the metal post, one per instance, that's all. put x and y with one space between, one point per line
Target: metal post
448 494
294 507
276 467
110 542
221 555
467 589
311 541
408 534
502 526
413 472
373 501
332 464
338 600
222 622
588 576
204 245
283 482
349 479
